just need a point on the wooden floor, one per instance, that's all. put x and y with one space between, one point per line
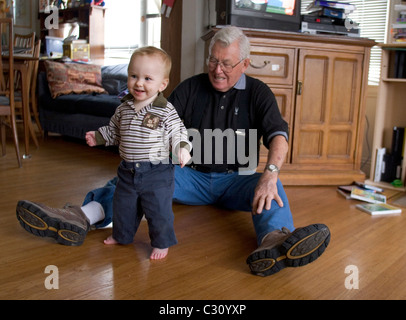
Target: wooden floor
208 262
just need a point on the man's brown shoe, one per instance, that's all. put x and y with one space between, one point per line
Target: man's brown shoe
68 226
280 249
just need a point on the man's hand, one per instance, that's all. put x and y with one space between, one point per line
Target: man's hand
266 189
265 192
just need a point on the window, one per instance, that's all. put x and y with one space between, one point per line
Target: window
371 16
129 25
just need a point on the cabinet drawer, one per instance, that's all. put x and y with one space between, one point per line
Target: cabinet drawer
272 65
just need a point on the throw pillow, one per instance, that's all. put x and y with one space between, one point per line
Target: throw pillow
67 78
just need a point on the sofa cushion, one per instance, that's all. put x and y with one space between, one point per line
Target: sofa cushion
114 78
101 105
67 78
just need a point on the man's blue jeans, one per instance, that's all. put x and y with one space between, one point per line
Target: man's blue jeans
228 190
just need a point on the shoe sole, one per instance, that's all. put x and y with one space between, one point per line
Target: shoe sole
301 248
40 223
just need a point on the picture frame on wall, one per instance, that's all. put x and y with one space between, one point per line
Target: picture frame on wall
23 13
42 4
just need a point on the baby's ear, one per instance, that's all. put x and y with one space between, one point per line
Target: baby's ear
164 84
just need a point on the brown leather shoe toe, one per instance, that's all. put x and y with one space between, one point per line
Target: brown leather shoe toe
67 226
280 249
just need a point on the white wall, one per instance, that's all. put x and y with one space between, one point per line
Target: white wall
194 24
34 20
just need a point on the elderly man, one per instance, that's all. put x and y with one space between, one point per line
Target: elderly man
224 111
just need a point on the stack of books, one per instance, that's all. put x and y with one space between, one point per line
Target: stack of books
332 9
375 201
329 17
388 166
398 29
362 192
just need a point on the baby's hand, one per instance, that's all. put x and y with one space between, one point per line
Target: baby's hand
91 138
183 156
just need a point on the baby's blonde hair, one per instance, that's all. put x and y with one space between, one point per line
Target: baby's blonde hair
154 51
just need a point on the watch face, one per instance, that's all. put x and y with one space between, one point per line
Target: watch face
273 168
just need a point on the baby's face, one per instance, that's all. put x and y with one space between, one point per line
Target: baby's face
146 77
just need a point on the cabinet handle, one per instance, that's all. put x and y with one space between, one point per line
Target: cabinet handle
260 67
299 88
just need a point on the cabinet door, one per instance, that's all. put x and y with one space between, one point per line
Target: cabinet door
283 97
327 108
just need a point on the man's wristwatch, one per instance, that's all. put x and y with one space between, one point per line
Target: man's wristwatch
272 168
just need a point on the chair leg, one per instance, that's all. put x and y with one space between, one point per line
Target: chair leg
15 137
36 113
3 137
14 129
32 131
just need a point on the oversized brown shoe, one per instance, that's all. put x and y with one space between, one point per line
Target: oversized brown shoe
68 226
280 249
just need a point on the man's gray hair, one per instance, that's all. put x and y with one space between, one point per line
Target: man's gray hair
230 34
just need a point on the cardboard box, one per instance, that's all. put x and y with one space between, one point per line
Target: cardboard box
77 51
65 30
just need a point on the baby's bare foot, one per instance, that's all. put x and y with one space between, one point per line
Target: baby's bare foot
158 253
110 240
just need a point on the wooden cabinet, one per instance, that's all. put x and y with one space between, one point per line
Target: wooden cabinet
91 27
275 66
319 82
390 108
327 107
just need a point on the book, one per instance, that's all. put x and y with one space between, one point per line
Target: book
345 191
380 152
378 208
398 133
368 186
329 12
367 196
345 194
332 4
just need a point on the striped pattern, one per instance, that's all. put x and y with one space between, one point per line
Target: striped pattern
147 135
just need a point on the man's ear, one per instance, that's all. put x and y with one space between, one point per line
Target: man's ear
246 64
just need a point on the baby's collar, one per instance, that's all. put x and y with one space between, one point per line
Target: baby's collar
160 100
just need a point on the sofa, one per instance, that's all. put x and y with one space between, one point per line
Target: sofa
76 98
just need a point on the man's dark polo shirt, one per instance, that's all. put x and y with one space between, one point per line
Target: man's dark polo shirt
250 104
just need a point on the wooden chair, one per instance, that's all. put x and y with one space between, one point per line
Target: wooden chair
7 105
33 88
25 43
33 91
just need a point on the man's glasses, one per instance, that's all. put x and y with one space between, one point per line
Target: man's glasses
226 67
